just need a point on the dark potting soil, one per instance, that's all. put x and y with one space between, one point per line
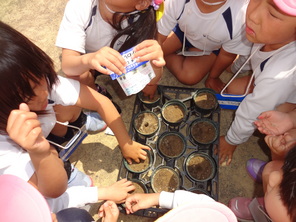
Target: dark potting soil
199 167
203 132
205 101
165 179
140 167
146 123
173 113
171 145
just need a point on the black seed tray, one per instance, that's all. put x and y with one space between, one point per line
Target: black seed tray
185 95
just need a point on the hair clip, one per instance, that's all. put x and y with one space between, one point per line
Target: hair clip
156 3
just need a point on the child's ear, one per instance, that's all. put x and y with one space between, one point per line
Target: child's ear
143 4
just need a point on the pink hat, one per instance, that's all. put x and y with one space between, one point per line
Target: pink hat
203 212
20 201
287 6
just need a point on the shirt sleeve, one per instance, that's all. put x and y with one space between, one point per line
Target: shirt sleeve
172 10
14 160
172 200
72 33
272 87
65 92
76 196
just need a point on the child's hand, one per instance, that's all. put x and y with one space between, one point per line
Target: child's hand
117 192
215 84
149 50
140 201
109 212
108 58
226 151
274 122
24 128
134 151
150 91
280 145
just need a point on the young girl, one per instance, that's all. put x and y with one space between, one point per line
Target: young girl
209 34
273 64
93 32
29 89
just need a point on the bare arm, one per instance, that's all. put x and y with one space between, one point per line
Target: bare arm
75 63
223 60
50 177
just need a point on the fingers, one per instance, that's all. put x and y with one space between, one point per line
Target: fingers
24 107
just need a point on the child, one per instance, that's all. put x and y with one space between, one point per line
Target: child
273 65
187 206
279 178
93 32
212 30
27 117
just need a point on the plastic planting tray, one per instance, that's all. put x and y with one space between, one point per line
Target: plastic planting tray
188 148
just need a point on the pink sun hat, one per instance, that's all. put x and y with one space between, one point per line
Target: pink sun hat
287 6
200 212
20 201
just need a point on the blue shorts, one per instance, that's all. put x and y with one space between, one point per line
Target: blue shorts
180 35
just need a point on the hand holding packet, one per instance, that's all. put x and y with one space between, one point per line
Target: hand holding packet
137 76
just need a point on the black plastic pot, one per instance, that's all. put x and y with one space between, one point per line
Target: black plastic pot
197 164
167 117
141 124
205 101
164 145
158 180
201 128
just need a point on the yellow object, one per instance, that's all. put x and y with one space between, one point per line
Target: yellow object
159 12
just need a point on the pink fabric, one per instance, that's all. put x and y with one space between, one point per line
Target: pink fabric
287 6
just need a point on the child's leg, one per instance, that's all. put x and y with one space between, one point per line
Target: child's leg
268 169
188 70
239 85
191 69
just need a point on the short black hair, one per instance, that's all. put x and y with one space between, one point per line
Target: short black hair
288 184
21 61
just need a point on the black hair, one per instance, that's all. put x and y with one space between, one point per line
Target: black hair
141 26
21 61
288 184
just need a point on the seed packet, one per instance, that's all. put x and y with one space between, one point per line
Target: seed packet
137 76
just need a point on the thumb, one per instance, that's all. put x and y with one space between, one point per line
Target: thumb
24 107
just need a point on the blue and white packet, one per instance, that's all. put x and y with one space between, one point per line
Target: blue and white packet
137 76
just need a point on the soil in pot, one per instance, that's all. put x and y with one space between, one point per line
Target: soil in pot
165 179
171 145
139 187
173 113
203 132
146 123
140 167
199 167
147 100
205 100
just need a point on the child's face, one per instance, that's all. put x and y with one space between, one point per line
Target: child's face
266 24
273 204
39 102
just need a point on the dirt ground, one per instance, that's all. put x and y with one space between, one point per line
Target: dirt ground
99 155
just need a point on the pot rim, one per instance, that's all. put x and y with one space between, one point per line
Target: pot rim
174 102
204 120
164 167
206 156
149 155
171 133
148 134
